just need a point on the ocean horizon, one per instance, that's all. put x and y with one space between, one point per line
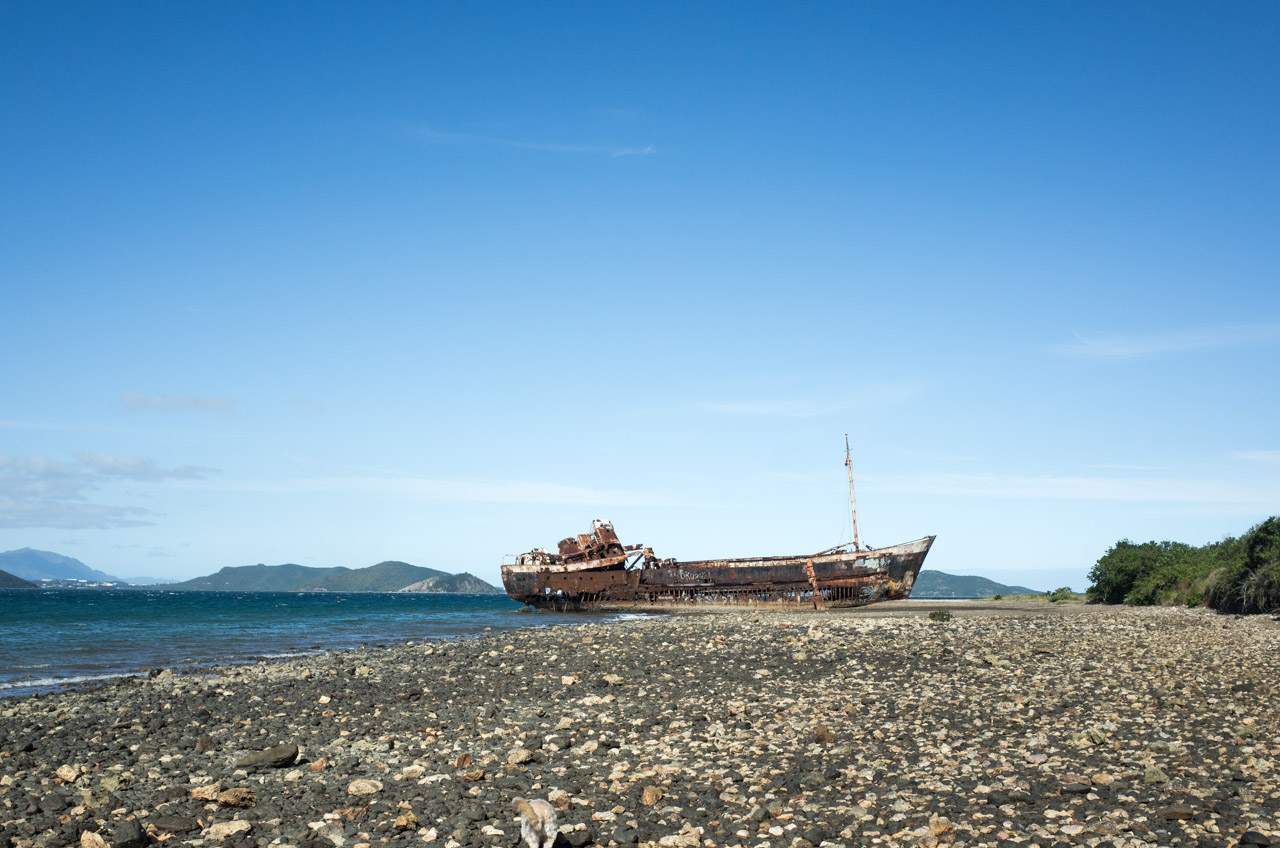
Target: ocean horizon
51 639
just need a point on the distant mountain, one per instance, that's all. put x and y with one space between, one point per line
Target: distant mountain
463 583
940 585
384 577
388 576
257 578
8 581
45 565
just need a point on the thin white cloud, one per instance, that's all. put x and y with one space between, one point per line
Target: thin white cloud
870 397
1049 487
1155 344
68 515
200 405
440 137
475 491
36 491
134 468
1267 456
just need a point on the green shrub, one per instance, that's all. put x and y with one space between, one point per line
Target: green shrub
1235 575
997 597
939 615
1059 595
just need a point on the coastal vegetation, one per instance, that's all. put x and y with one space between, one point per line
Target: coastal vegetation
1235 575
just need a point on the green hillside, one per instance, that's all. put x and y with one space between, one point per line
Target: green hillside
388 576
383 577
257 578
940 585
8 581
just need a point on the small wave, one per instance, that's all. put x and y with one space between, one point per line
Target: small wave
637 616
48 682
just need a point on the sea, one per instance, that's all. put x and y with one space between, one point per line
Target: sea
55 638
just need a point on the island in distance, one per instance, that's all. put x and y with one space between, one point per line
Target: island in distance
9 581
384 577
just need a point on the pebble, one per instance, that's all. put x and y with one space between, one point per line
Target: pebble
1009 724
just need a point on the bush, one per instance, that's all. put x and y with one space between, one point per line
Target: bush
1234 575
997 597
939 615
1251 582
1059 595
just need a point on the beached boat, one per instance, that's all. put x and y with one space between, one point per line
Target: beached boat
595 571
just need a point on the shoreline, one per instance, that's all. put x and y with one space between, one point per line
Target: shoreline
1040 723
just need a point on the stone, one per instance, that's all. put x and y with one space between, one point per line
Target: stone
1252 837
224 830
363 786
406 821
1153 775
519 756
208 792
237 796
651 795
89 839
174 824
67 774
205 744
277 757
1178 812
822 735
129 834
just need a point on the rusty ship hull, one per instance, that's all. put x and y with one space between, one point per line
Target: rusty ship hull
595 572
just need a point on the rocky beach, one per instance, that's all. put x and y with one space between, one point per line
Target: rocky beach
1009 724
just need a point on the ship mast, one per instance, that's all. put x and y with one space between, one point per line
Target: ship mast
853 506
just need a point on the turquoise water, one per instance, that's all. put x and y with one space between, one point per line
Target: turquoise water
56 637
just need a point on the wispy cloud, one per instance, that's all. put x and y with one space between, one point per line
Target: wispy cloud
1155 344
1268 456
133 468
469 490
1049 487
440 137
869 397
205 405
36 491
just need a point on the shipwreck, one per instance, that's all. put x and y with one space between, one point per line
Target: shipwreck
595 571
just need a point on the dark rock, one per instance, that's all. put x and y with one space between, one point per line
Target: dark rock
205 744
129 834
579 838
277 757
174 824
1252 837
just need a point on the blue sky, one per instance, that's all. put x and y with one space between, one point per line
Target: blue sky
339 283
